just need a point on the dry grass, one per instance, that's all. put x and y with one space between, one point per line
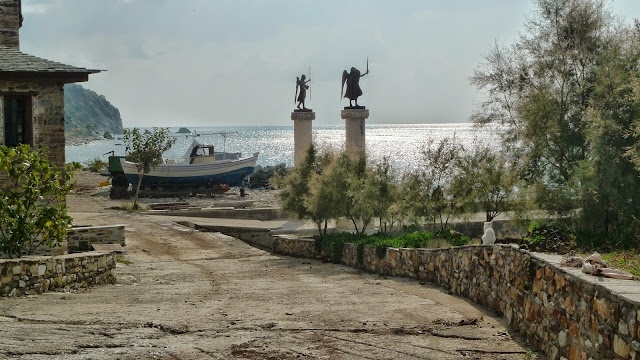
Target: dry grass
624 260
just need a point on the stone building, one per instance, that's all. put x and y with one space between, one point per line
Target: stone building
31 90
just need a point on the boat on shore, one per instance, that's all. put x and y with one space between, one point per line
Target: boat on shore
200 167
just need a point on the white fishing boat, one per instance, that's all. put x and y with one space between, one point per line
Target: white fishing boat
200 167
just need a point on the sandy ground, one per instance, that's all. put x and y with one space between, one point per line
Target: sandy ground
183 294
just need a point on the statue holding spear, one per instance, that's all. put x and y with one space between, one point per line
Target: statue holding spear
301 83
352 79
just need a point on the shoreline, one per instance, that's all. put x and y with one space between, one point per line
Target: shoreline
80 140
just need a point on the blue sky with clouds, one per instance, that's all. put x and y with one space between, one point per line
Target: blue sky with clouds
234 62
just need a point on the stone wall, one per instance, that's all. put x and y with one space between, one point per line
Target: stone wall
46 250
292 245
561 311
35 275
81 238
10 23
263 214
47 101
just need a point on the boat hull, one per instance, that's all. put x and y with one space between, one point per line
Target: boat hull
231 172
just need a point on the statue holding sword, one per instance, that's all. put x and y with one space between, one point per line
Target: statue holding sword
352 79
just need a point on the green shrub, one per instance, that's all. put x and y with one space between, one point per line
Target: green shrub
452 237
380 242
32 201
96 164
76 165
549 237
617 239
261 178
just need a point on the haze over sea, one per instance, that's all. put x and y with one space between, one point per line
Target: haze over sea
400 142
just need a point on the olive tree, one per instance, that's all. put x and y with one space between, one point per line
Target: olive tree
33 192
145 149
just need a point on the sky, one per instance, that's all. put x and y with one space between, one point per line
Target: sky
235 62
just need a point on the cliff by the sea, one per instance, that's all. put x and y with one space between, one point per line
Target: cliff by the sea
88 115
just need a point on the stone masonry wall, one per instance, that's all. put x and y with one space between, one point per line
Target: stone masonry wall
10 23
562 312
81 238
48 116
294 246
35 275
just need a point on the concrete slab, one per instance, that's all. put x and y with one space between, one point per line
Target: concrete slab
108 248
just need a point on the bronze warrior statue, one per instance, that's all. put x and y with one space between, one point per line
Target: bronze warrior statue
353 84
301 84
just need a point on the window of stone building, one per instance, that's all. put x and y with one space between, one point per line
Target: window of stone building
18 127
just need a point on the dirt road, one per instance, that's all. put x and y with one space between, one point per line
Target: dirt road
183 294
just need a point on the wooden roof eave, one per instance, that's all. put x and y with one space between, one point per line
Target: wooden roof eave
57 76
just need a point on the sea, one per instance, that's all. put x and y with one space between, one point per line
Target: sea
401 143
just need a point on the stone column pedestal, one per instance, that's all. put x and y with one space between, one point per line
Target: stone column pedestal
302 137
354 128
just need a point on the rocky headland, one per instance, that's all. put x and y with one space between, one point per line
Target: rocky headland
89 116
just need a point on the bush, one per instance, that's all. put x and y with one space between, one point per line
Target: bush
549 237
32 201
76 165
561 238
618 239
418 239
261 178
96 164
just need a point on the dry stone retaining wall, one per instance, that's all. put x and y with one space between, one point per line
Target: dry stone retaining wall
35 275
564 313
81 238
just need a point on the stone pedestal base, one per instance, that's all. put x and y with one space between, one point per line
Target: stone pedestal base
302 135
354 128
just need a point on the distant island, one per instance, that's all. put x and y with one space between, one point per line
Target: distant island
184 130
88 115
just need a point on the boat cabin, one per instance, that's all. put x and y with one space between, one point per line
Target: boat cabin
202 154
205 154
